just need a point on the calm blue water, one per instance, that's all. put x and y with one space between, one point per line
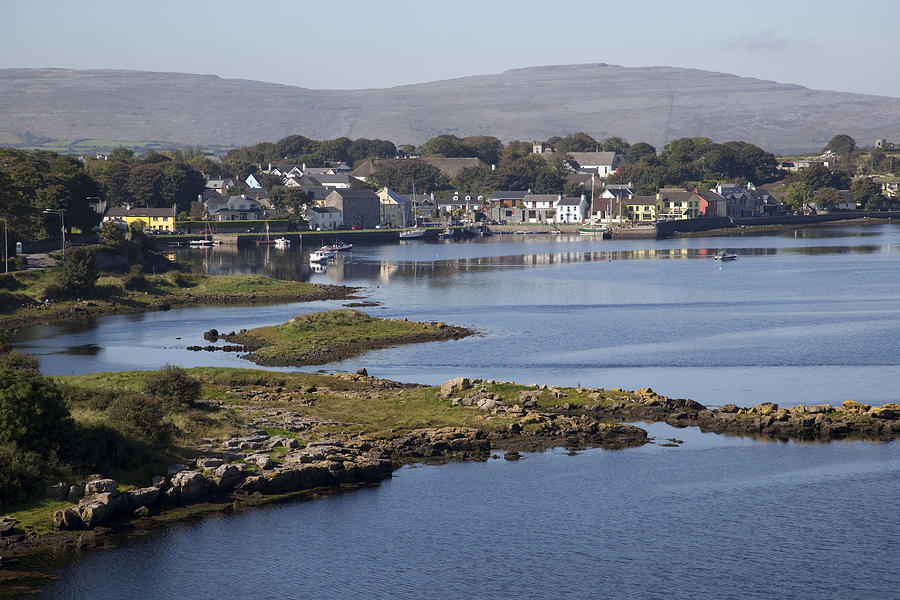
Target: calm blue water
715 518
808 316
811 316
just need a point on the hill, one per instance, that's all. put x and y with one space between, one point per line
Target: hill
58 108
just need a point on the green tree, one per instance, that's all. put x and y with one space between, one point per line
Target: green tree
841 144
866 193
828 197
111 234
197 211
797 195
818 176
78 273
577 142
515 150
33 414
401 175
287 201
615 144
638 151
472 179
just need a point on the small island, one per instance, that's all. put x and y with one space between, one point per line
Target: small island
319 338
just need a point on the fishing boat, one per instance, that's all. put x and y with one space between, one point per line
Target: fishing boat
725 256
591 226
447 233
320 256
415 232
205 242
337 247
411 234
266 241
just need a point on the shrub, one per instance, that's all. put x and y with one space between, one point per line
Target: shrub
21 474
173 384
83 398
79 272
8 282
139 416
10 302
74 277
180 279
135 279
33 414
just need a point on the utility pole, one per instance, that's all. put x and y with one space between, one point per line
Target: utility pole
5 249
62 226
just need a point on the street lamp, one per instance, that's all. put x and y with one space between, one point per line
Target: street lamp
5 249
62 226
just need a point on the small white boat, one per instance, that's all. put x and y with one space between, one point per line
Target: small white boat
725 256
411 234
337 247
200 243
282 242
320 256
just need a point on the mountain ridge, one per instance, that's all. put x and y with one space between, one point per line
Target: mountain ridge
652 104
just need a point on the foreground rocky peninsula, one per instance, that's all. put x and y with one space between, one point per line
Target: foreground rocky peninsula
296 433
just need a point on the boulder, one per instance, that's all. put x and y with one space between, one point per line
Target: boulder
887 412
76 492
68 518
7 524
174 469
454 386
190 485
139 497
158 481
263 461
57 491
209 462
100 486
142 512
227 476
93 513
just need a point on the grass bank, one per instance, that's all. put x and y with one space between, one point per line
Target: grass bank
319 338
22 301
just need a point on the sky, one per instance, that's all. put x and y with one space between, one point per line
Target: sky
351 44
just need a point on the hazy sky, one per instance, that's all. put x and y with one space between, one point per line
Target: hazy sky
834 45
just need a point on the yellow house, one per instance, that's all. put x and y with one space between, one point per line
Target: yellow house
641 208
157 219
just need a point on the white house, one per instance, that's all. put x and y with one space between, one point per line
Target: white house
602 163
539 207
458 201
571 210
237 208
324 218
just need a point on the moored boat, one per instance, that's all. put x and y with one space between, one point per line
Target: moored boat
337 247
725 256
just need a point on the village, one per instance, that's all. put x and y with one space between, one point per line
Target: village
340 197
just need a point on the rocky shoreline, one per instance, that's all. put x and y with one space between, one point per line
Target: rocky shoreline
257 467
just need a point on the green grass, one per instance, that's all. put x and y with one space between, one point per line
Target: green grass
36 517
319 338
172 289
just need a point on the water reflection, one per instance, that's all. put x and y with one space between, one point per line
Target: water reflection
416 258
